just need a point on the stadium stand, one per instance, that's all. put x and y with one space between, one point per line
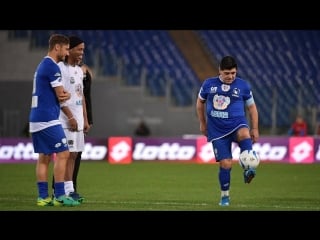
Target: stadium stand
281 65
149 56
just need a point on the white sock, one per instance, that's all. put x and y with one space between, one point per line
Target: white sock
224 193
68 187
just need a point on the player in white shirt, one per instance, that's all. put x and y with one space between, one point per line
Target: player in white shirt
73 114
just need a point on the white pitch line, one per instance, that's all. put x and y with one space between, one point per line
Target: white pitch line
232 206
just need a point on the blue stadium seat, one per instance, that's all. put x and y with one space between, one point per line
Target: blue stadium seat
273 61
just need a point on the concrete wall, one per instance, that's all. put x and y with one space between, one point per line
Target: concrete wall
117 110
17 60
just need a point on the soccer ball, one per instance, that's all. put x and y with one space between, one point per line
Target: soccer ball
249 159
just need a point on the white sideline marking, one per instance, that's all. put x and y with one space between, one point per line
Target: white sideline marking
233 206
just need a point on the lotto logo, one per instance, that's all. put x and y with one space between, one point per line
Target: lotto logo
267 152
25 152
120 150
18 151
301 149
170 151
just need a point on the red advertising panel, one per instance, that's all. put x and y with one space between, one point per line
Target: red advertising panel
301 150
120 150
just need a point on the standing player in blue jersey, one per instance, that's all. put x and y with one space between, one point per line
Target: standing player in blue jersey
47 134
221 109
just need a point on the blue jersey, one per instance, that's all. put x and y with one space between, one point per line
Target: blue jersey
225 105
45 107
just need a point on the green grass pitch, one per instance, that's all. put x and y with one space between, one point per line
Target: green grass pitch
170 186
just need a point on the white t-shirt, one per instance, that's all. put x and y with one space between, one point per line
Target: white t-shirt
72 79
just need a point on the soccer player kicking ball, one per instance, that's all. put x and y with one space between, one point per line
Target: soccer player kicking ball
220 107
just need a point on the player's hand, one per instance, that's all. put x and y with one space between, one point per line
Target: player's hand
254 133
203 129
73 125
64 96
86 128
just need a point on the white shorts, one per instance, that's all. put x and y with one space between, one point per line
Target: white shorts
75 140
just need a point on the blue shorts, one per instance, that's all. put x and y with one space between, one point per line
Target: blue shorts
222 147
50 140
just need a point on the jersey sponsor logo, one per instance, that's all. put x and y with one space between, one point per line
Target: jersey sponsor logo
236 92
225 87
78 90
220 102
219 114
212 89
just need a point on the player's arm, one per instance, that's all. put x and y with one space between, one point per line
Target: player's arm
254 122
200 108
73 124
86 126
62 94
89 70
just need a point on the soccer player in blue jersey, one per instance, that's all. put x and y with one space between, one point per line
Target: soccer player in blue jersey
45 127
221 109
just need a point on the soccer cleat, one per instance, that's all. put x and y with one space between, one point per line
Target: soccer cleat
44 202
249 174
225 201
76 196
65 201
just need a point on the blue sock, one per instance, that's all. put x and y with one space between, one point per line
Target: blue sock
59 189
43 189
224 178
245 144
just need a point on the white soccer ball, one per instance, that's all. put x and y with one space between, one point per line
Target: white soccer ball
249 159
